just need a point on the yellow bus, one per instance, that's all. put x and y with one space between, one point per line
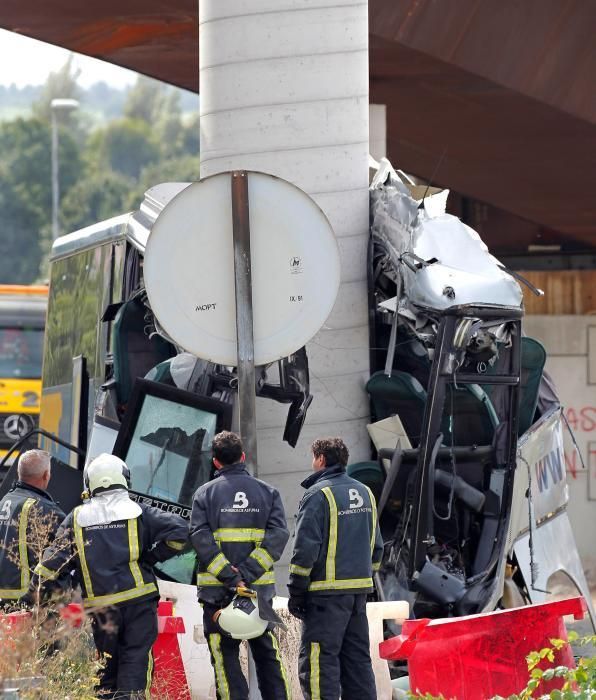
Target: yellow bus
22 321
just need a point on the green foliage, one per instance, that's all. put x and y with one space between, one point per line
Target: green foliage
182 169
25 193
144 100
61 84
125 146
99 196
103 171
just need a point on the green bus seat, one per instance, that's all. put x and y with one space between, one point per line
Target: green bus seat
134 352
399 393
533 358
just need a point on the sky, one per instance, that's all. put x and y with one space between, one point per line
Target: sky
25 61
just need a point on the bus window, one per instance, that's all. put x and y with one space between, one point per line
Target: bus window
21 351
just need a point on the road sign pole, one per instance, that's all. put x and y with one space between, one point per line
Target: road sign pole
244 319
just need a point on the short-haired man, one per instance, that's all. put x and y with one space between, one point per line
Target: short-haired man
238 529
26 502
337 546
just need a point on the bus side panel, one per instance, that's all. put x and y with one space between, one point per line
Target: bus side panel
79 295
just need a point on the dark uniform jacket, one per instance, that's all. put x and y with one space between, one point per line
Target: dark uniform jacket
237 520
338 544
113 561
23 508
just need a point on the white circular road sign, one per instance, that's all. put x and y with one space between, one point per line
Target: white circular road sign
189 268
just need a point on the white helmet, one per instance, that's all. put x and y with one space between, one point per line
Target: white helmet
240 619
106 472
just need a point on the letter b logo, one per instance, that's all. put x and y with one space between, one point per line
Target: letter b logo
240 500
356 499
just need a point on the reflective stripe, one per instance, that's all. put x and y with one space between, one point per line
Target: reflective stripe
207 579
267 578
373 504
223 690
376 566
217 564
239 534
340 584
173 544
80 543
263 557
12 593
46 573
332 541
299 570
281 665
113 598
23 553
315 672
133 547
149 675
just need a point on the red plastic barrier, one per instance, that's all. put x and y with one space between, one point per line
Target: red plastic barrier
73 613
169 676
480 656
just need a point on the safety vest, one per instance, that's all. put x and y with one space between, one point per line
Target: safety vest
239 521
17 557
338 544
114 560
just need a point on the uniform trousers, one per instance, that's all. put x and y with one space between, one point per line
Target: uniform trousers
124 637
230 682
334 657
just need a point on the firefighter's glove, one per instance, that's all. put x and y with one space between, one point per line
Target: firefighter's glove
297 606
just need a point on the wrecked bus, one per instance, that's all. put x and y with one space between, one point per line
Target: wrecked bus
470 478
468 469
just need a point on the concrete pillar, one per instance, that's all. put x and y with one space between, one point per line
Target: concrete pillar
284 90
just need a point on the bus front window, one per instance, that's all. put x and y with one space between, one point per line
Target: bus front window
21 351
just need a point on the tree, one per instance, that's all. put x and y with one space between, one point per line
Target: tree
184 169
144 100
20 252
25 193
125 146
96 197
60 84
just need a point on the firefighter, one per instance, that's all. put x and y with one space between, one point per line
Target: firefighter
26 502
113 542
238 529
336 549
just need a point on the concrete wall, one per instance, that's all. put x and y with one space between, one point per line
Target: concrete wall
570 342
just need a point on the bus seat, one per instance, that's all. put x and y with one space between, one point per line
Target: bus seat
369 473
474 418
399 393
533 358
134 352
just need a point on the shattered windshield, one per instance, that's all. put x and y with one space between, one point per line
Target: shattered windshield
169 455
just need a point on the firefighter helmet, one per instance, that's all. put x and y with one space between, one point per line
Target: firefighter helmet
240 619
106 472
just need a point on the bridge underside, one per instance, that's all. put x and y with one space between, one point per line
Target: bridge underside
497 98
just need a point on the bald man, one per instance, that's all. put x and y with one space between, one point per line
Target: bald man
26 512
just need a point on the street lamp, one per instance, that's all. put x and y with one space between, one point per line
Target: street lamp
57 105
